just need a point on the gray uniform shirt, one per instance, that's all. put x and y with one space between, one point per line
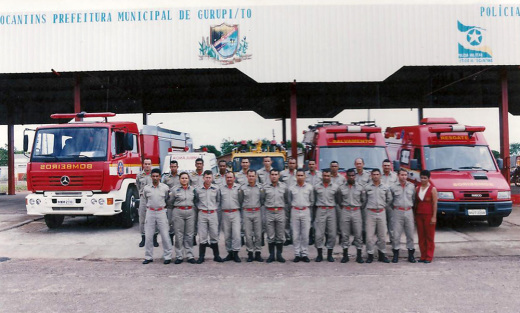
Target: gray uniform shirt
351 195
196 179
207 198
389 179
276 196
156 197
170 180
219 179
182 197
142 179
313 179
403 197
241 178
230 197
287 177
325 196
264 176
338 179
378 197
301 196
364 178
253 196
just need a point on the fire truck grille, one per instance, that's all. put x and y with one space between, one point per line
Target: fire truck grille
41 182
476 195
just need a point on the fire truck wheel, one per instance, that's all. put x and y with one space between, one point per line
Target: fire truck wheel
129 213
54 221
495 221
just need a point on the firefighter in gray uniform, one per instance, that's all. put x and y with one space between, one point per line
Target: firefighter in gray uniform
220 180
264 174
182 198
172 180
231 225
379 197
351 198
196 178
276 199
207 200
403 193
252 202
313 177
155 197
142 179
241 177
288 176
389 178
325 197
363 177
338 180
301 199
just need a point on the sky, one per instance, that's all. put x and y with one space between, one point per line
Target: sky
211 128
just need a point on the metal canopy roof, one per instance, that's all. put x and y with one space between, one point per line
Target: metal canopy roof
33 97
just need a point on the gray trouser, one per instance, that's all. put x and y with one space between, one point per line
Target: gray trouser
403 220
301 224
142 216
154 220
231 228
325 223
253 230
220 227
375 224
275 226
351 223
184 231
208 227
169 214
389 223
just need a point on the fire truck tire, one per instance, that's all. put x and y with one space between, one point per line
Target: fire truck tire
54 221
495 221
129 213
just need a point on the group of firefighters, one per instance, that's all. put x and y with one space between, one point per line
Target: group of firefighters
290 206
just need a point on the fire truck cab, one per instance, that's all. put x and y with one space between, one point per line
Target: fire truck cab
332 141
462 166
86 168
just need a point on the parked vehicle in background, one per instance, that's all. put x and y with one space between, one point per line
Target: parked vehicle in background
256 153
186 161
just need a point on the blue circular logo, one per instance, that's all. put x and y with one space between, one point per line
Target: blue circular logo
120 169
474 37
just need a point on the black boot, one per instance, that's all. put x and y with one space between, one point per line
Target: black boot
271 253
411 257
279 250
171 238
345 256
319 258
329 255
141 244
359 259
250 257
229 257
216 253
194 240
236 258
395 259
370 258
155 243
263 240
311 236
202 253
258 257
381 257
287 242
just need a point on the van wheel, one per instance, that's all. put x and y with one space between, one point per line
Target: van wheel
54 221
495 221
129 213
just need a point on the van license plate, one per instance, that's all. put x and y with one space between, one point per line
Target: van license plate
66 201
477 212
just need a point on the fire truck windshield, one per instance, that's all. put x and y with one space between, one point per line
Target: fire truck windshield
345 156
70 144
258 163
459 158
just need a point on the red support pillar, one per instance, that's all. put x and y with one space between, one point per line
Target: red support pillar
504 126
294 116
77 96
11 181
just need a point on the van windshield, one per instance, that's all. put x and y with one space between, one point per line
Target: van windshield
459 158
345 156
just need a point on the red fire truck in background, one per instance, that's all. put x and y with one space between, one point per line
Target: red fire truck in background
332 141
462 167
89 168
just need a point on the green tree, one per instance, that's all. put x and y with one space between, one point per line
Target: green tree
3 155
496 154
212 149
514 148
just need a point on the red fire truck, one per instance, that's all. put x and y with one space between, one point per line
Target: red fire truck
462 167
332 141
87 168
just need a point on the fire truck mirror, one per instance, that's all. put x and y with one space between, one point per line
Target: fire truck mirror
500 163
25 143
414 165
129 142
397 165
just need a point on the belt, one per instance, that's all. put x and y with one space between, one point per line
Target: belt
208 211
274 209
404 209
230 211
155 209
252 209
184 207
377 210
300 208
351 208
326 207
